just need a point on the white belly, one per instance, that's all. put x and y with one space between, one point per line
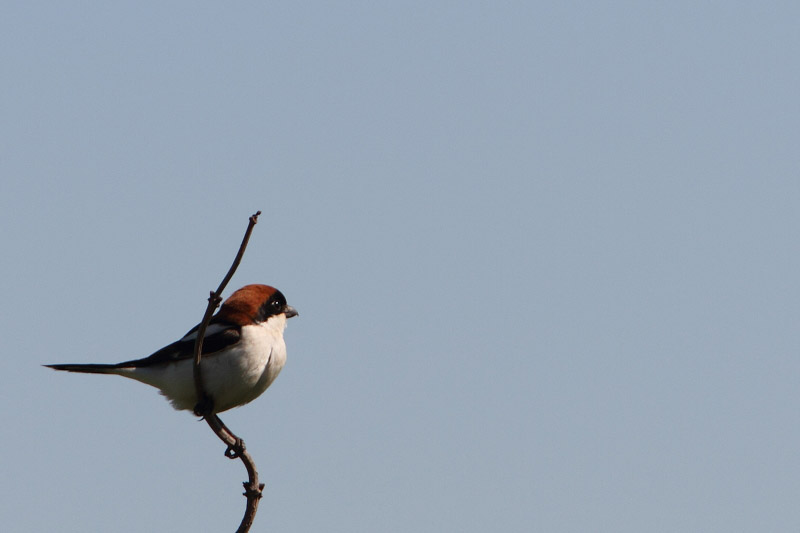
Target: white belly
232 378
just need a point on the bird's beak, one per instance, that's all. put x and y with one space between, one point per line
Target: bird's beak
290 311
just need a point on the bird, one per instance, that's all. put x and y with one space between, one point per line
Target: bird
243 353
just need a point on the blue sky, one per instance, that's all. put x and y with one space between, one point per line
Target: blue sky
544 254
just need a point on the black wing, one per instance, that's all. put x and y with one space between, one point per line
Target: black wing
218 337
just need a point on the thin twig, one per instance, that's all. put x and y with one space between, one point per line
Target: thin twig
213 302
205 404
236 448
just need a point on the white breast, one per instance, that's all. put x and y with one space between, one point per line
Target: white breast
234 377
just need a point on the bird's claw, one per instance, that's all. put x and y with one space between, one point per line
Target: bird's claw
204 407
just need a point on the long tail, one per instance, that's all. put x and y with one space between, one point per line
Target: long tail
87 369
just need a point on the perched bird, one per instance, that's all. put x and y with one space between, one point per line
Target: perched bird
243 352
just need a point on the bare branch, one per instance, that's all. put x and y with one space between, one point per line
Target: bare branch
205 404
213 302
236 448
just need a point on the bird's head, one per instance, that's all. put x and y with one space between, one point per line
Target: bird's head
254 304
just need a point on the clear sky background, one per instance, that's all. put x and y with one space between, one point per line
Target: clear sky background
545 257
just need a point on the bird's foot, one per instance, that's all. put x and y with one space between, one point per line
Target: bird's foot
204 407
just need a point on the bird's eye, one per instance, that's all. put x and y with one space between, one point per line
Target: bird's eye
276 304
